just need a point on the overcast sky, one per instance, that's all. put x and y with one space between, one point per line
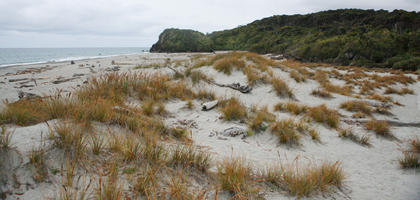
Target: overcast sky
137 23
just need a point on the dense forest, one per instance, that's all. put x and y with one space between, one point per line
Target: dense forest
346 37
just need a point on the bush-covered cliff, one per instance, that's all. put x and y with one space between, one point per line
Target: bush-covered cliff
181 40
346 37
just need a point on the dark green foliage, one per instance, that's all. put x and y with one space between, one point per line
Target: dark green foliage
181 40
346 37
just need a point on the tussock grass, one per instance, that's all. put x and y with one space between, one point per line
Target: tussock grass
305 181
109 187
358 115
146 182
297 76
97 144
198 76
207 95
319 92
226 65
380 98
288 131
349 134
253 76
5 138
402 91
233 109
379 127
291 107
130 148
357 106
70 138
324 115
281 88
37 160
259 120
189 156
411 156
235 176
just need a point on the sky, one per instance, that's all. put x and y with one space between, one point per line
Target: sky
138 23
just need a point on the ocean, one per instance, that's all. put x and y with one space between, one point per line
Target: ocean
24 56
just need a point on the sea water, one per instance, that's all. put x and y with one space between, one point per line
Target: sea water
23 56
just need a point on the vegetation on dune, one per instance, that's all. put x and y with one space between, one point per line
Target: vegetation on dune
346 37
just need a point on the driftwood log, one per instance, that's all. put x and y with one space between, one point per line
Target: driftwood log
209 105
236 86
390 122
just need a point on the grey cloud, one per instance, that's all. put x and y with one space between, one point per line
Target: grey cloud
139 22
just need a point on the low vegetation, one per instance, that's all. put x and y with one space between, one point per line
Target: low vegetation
411 155
291 107
322 114
381 128
349 134
290 132
233 109
357 106
281 88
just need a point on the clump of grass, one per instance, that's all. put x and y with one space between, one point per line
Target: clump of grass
319 92
281 88
297 76
380 98
348 134
358 115
97 144
235 176
402 91
411 156
291 107
146 181
379 127
197 76
153 152
108 188
70 138
226 65
37 159
253 76
205 95
131 148
233 109
179 132
357 106
260 118
148 107
5 138
286 132
322 114
305 181
189 104
189 156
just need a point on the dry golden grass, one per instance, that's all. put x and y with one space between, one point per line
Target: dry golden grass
226 65
379 127
235 176
348 134
411 155
233 109
253 76
319 92
189 156
322 114
380 98
260 119
358 115
291 107
297 76
69 137
203 94
305 181
281 88
402 91
37 160
5 138
357 106
288 131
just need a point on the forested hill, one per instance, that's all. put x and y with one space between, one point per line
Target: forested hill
347 37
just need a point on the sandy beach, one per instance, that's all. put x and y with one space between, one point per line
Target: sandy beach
371 172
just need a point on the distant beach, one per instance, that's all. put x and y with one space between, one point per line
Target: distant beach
26 56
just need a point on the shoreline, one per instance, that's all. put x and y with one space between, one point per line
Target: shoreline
64 60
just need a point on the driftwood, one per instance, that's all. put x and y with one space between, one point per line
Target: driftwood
236 86
62 80
27 95
209 105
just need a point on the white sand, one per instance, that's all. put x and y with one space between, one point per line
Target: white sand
372 172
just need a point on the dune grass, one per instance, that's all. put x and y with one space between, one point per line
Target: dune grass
324 115
411 155
5 138
305 181
260 119
381 128
233 109
349 134
291 107
281 88
357 106
320 92
189 156
297 76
